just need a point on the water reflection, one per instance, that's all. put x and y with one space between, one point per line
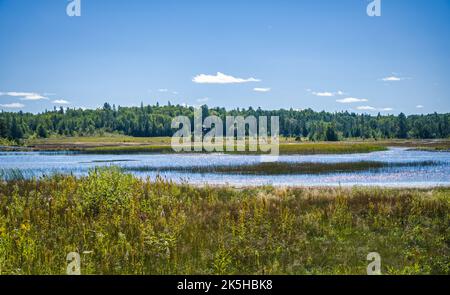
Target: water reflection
43 163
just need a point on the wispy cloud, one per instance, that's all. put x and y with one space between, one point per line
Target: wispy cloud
204 99
323 94
352 100
61 101
221 78
326 93
419 106
163 90
24 95
14 105
257 89
393 78
373 109
366 108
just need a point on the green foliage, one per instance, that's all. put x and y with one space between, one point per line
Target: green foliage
153 121
331 134
124 225
41 131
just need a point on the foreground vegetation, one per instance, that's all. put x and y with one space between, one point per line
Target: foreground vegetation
123 225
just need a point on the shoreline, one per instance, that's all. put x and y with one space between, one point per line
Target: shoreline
126 144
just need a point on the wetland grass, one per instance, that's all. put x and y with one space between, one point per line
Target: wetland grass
124 225
285 168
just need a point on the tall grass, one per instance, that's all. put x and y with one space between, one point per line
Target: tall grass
286 149
285 168
124 225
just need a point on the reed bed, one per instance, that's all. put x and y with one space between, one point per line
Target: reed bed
284 149
286 168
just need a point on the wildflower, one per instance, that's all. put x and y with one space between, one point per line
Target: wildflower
25 226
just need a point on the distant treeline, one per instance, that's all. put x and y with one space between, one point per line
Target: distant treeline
149 121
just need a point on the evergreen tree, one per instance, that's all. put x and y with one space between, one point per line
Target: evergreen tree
331 134
402 126
16 129
41 131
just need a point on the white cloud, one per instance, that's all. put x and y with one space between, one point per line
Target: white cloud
370 108
419 106
33 97
14 105
24 95
163 90
366 108
15 94
257 89
61 101
204 99
393 78
323 94
221 78
352 100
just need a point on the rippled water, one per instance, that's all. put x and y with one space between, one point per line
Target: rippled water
43 163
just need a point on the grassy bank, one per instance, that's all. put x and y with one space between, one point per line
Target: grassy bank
113 144
282 168
285 149
116 144
122 225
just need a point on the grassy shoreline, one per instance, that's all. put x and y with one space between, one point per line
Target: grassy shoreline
125 225
116 144
284 149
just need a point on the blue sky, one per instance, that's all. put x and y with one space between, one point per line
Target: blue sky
320 54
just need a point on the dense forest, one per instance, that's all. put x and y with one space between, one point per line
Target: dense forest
148 121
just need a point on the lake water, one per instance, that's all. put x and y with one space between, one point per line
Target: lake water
45 163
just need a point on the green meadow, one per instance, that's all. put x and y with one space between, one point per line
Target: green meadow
124 225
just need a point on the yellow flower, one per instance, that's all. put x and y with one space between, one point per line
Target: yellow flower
25 226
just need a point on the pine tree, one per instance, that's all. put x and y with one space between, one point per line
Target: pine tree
402 126
331 134
16 129
42 132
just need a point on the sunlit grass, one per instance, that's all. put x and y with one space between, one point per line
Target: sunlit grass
284 149
124 225
116 143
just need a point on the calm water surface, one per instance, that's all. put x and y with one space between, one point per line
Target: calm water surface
44 163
